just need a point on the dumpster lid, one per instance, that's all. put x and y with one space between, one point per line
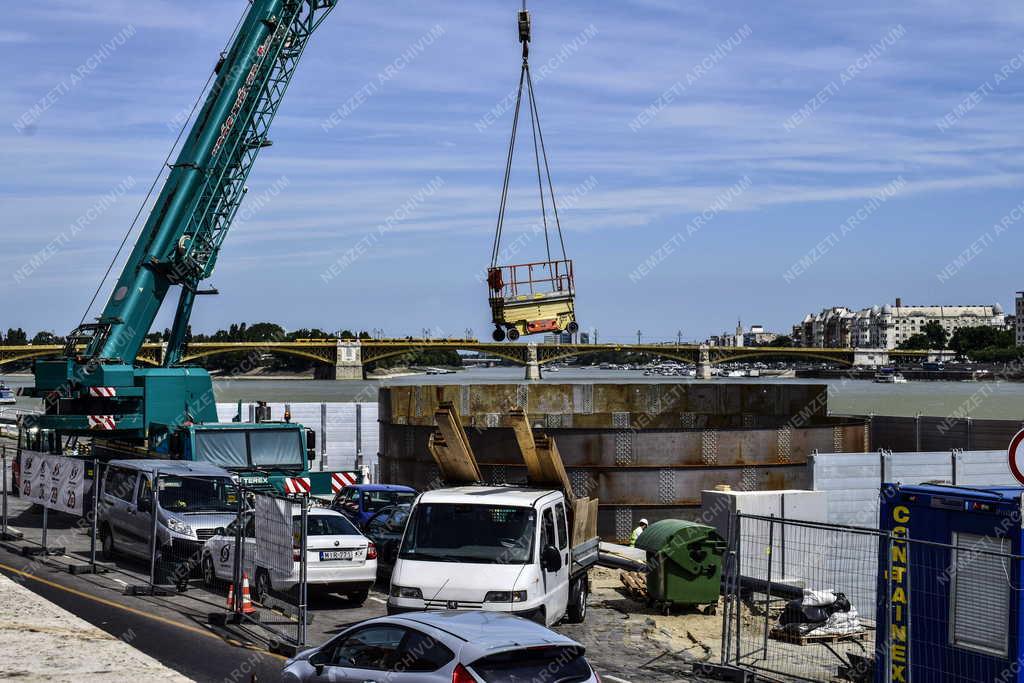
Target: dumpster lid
658 535
1001 492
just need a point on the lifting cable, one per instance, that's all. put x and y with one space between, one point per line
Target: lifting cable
539 152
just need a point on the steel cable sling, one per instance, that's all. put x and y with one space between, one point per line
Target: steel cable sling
539 152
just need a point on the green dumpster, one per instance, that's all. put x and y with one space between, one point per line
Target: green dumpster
684 563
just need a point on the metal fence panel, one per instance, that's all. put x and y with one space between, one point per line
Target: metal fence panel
925 611
341 429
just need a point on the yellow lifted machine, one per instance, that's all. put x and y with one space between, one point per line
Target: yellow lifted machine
530 298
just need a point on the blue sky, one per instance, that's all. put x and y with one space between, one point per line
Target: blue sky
717 160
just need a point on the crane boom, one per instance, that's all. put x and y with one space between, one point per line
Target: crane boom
180 241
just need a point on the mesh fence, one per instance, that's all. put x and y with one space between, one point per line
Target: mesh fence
818 602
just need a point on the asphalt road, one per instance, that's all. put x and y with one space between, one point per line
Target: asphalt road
174 628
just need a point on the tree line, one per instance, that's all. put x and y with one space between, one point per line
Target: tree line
981 343
260 332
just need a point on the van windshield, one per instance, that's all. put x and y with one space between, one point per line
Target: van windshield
486 534
197 494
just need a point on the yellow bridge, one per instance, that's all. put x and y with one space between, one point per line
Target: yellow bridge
346 359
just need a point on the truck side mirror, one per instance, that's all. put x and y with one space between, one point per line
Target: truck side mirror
310 445
551 559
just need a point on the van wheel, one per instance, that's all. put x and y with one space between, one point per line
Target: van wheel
107 543
209 574
357 598
261 587
578 594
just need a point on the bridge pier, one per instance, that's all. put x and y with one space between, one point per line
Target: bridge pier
532 363
704 363
348 361
870 358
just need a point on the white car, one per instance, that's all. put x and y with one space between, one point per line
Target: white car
338 557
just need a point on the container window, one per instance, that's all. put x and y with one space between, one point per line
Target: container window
980 595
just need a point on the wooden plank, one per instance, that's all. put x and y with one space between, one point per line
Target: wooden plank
553 469
456 459
527 446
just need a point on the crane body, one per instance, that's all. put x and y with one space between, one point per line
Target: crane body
98 387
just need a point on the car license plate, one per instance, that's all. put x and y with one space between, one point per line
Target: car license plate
328 555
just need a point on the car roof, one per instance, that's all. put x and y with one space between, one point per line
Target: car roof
173 467
382 487
490 495
486 632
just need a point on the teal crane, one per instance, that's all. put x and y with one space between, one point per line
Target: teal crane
100 390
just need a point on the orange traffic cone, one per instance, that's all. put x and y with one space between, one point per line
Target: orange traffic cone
231 598
247 606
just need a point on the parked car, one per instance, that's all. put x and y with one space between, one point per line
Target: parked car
385 529
193 500
339 559
359 502
446 646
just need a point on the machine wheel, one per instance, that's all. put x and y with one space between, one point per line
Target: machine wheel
573 327
107 543
498 335
262 586
577 611
209 574
513 334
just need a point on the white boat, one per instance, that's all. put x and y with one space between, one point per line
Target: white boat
7 396
890 378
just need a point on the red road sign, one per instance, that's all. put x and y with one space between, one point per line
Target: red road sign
1015 456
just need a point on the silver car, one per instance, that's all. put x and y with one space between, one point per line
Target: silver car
456 646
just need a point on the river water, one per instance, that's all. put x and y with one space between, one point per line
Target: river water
988 399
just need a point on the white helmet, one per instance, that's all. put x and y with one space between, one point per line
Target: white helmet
644 521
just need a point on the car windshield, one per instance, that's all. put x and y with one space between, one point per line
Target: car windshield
488 534
378 500
197 494
324 525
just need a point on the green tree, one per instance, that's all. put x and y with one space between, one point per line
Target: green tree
916 342
782 342
44 337
936 334
16 337
968 340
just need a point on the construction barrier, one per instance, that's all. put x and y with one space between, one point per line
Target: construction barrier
866 605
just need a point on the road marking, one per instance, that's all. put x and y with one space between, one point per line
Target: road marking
123 583
130 610
383 602
614 678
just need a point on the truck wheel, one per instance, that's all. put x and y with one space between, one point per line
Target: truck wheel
578 593
498 335
513 334
573 327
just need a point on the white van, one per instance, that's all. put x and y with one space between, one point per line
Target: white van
493 548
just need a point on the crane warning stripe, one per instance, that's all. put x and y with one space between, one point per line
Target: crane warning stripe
340 480
105 422
105 392
297 485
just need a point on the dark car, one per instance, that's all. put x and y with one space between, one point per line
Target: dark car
385 529
360 502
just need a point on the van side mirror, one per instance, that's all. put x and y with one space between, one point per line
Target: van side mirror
551 559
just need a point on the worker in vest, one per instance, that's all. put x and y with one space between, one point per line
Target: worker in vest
637 531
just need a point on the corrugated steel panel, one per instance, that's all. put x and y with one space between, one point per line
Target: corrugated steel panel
341 429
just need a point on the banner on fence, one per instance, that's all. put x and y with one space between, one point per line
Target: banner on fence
53 481
274 534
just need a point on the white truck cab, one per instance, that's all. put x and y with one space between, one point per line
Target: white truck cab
495 548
